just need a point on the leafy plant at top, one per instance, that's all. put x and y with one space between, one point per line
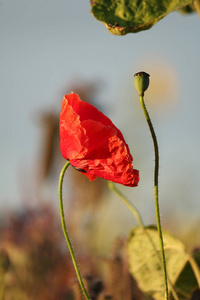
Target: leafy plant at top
145 263
125 16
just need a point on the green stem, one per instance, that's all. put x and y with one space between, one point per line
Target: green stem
65 230
156 192
127 202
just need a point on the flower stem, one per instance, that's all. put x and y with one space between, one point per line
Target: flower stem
65 230
127 202
156 192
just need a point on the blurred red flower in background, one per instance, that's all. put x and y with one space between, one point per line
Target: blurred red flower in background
93 144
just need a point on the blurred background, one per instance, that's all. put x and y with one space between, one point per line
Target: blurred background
50 48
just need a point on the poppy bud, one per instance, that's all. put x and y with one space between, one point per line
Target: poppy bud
141 80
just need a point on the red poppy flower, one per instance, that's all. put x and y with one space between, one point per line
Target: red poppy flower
93 144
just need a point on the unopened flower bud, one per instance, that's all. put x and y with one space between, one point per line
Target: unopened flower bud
141 80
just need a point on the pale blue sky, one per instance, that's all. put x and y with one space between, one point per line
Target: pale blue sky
45 44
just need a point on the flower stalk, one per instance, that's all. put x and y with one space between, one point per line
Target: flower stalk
66 233
142 83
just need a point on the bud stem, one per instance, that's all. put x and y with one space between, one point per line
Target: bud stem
65 230
156 192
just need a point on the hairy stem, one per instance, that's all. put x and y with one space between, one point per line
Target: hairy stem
65 231
156 192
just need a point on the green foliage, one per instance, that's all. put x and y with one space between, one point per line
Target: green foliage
125 16
145 263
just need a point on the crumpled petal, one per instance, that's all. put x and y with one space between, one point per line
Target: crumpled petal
73 139
94 144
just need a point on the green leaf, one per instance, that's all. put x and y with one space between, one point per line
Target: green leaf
145 263
124 16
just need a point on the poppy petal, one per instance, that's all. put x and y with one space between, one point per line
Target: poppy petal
73 140
117 167
94 144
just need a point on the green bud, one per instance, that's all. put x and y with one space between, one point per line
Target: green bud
141 80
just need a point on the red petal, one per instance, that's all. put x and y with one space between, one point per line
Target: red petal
117 167
93 143
86 111
73 140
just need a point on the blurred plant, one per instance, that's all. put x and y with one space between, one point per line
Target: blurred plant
38 267
34 263
4 267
